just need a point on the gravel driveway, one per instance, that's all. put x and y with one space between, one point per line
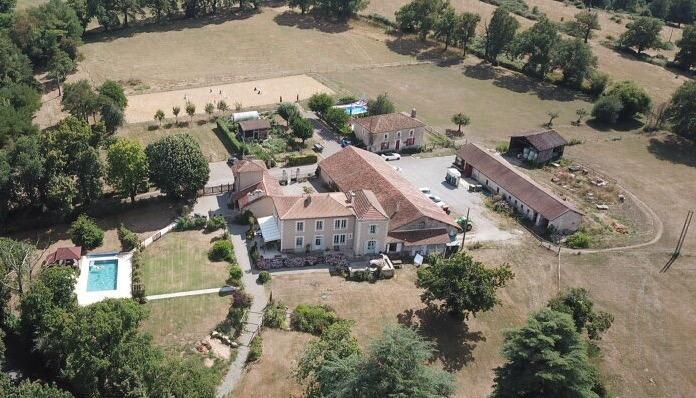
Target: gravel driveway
430 172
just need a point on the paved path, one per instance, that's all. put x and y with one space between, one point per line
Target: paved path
258 292
219 290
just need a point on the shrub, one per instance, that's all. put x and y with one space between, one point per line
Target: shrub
230 137
336 118
313 318
347 99
129 239
241 299
597 83
245 218
579 240
222 250
137 284
502 147
85 232
235 277
634 99
320 102
264 277
276 316
255 349
607 109
234 323
188 223
301 160
215 223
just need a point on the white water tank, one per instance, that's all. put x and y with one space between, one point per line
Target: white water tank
251 115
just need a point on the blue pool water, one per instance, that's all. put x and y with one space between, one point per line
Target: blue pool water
355 109
102 275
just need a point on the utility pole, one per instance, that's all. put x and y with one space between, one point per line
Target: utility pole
559 267
466 226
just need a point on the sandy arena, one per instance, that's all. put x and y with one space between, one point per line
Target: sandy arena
142 108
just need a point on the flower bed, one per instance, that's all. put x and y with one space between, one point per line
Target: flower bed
337 259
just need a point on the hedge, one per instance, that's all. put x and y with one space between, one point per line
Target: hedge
237 146
301 160
313 318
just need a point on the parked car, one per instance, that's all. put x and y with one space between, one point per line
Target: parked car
390 156
231 160
425 190
318 147
439 202
345 142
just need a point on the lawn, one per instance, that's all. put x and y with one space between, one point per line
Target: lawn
180 322
179 262
202 132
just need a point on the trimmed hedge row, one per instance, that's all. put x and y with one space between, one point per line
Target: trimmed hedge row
301 160
237 146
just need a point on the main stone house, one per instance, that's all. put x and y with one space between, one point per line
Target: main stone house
390 132
374 210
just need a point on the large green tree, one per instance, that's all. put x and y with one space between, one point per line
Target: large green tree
546 358
686 57
29 389
320 102
583 25
535 45
634 99
577 303
420 16
303 5
394 366
466 28
113 91
177 165
642 34
18 104
302 128
340 9
462 285
80 100
381 105
682 11
85 232
18 261
15 67
575 59
446 26
499 33
127 167
59 67
682 111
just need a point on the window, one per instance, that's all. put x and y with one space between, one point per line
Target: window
339 239
299 241
398 134
515 202
410 141
384 146
341 223
373 228
371 245
386 136
410 133
318 241
319 225
497 190
299 226
350 236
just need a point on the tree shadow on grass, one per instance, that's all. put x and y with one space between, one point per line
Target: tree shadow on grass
520 83
481 71
627 125
310 21
454 343
424 50
150 25
674 149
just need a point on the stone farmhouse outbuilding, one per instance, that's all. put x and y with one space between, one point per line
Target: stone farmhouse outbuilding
392 132
534 202
538 147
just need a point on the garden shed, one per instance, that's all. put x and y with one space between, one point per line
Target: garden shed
538 147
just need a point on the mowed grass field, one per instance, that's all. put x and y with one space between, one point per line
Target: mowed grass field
179 262
202 131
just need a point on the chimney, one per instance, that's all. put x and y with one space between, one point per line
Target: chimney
349 196
307 200
413 113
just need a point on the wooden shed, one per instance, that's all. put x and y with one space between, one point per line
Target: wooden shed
538 147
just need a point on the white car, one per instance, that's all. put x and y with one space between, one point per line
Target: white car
437 201
390 156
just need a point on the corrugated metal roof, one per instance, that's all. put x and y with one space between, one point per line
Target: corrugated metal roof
517 184
255 124
544 139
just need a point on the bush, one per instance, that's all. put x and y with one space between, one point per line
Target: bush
579 240
264 277
347 99
246 218
313 318
129 239
320 102
597 83
234 323
215 223
235 277
188 223
230 137
255 349
276 316
607 109
336 118
301 160
222 250
85 232
137 284
634 99
241 299
502 147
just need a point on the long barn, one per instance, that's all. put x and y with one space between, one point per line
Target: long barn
529 199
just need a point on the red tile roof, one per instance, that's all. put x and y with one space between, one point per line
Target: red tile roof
386 123
64 253
245 165
516 183
367 207
352 169
319 205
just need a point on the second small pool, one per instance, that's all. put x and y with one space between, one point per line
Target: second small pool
102 275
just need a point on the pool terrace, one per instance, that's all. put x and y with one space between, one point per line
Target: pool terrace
103 275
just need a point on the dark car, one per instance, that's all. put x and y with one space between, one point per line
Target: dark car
318 147
345 142
231 160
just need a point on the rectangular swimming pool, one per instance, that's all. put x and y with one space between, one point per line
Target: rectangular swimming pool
102 275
